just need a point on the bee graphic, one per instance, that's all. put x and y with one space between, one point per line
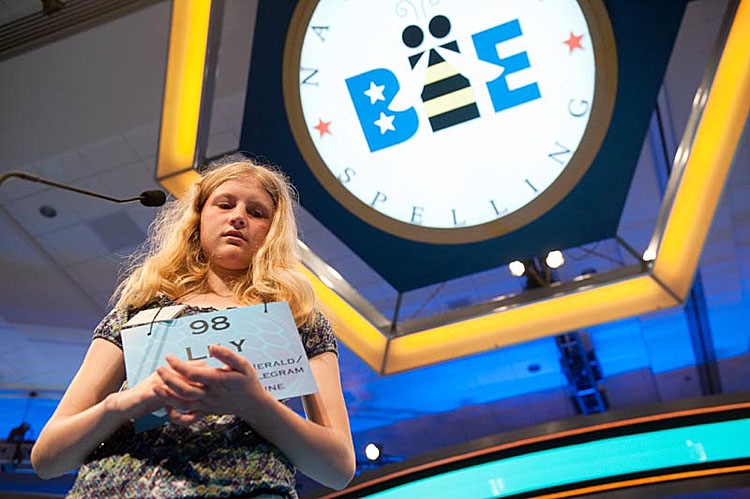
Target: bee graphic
447 94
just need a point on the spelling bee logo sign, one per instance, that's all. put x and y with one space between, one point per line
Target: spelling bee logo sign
445 114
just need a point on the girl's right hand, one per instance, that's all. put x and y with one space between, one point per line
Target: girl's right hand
147 396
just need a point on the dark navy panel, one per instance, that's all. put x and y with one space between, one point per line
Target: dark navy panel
644 32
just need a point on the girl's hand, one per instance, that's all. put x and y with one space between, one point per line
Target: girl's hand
143 398
195 389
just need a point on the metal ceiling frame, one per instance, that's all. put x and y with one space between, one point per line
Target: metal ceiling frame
700 170
35 30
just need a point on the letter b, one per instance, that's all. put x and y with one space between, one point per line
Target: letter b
405 123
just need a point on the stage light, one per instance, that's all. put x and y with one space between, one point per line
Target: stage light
554 259
649 255
517 268
334 273
326 281
372 451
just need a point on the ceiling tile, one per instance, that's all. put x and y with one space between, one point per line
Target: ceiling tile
88 207
117 231
128 181
73 244
143 139
149 165
108 153
16 188
26 211
142 215
12 339
63 167
98 275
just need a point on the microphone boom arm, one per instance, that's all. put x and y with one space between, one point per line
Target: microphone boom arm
145 196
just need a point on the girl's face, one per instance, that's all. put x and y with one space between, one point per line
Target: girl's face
234 223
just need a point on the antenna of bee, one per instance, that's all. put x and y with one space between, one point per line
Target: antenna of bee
402 10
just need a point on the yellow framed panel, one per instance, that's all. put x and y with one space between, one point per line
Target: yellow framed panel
351 327
183 88
665 285
575 310
707 168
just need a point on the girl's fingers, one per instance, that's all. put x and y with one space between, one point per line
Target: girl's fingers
228 357
200 374
180 418
178 385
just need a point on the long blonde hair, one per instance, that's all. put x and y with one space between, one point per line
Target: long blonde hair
172 262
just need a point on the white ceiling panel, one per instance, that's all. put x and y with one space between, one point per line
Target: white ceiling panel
108 153
26 211
128 181
64 167
142 215
15 188
143 139
32 280
74 244
87 207
99 275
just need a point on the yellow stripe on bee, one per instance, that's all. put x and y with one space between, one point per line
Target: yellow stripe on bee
449 102
439 71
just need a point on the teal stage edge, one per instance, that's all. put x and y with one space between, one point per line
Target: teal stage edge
609 457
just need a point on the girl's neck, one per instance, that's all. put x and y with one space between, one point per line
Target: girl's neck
220 282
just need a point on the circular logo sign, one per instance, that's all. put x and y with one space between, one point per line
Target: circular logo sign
449 121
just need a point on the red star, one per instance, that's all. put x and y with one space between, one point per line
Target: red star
322 127
574 42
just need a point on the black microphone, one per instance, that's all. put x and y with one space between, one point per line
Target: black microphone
147 198
153 198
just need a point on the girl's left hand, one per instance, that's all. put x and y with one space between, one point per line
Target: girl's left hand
198 389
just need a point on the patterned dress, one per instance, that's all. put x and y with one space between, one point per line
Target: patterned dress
217 456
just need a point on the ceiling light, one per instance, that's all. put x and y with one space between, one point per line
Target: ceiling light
649 255
334 273
516 268
326 281
372 451
554 259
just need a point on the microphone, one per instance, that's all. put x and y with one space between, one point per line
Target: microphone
155 197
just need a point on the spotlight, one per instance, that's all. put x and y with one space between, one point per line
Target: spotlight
326 281
649 255
554 259
372 451
516 268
